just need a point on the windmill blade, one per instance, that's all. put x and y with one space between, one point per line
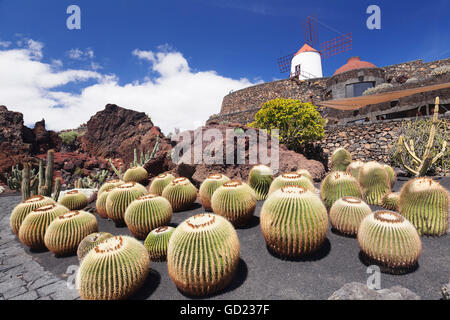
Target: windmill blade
336 46
310 31
284 63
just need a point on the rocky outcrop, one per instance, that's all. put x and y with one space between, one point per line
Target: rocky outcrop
360 291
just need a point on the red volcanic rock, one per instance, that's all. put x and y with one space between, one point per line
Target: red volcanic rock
45 140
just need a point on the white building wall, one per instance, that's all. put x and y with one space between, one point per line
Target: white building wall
310 64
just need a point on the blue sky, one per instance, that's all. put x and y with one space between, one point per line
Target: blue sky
237 41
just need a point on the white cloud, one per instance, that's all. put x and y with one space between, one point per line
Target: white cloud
5 44
78 54
176 97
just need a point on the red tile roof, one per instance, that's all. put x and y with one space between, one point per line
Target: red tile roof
306 48
354 63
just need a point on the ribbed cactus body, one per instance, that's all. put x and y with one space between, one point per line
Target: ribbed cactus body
108 185
235 201
181 194
157 242
65 232
160 182
136 174
390 201
374 180
32 230
390 240
91 241
260 178
100 203
120 197
294 221
392 176
424 202
339 184
208 186
74 200
291 179
146 213
305 173
203 254
353 168
347 213
24 208
340 159
114 269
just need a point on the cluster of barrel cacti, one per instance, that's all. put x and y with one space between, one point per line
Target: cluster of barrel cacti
209 186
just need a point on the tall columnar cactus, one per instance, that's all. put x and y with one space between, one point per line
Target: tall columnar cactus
306 173
100 203
259 178
347 213
208 186
119 199
353 168
391 174
114 269
58 182
111 184
389 240
390 201
26 192
294 221
157 242
235 201
181 194
147 213
291 179
74 200
24 208
91 241
374 180
340 159
49 172
160 182
424 202
32 230
136 174
339 184
203 254
65 233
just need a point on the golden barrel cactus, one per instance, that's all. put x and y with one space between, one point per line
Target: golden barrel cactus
120 197
91 241
390 201
136 174
347 213
338 184
160 182
24 208
353 168
340 159
74 200
260 178
291 179
391 174
375 182
157 242
208 186
108 185
181 194
305 173
100 203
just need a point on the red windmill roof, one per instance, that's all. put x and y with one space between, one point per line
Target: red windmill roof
354 63
306 48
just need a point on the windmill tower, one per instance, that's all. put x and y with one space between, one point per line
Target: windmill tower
307 62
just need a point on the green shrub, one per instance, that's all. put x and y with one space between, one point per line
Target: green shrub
69 137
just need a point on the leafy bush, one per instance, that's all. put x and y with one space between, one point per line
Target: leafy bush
69 137
299 123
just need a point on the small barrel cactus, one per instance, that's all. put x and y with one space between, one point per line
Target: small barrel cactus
100 203
208 186
136 174
260 178
181 194
340 159
347 213
389 240
157 242
24 208
110 184
160 182
146 213
353 168
65 232
424 202
235 201
120 197
114 269
306 173
339 184
74 200
374 180
203 254
390 201
294 221
391 174
291 179
32 230
91 241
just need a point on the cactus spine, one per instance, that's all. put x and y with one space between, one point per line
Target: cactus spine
339 184
340 159
353 168
74 200
181 194
203 254
390 201
24 208
91 241
120 197
374 180
208 186
160 182
260 178
291 179
157 242
347 213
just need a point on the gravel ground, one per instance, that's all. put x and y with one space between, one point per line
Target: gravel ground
260 275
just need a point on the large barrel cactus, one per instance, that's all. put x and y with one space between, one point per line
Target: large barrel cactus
32 230
110 184
157 242
340 159
388 239
208 186
391 174
136 174
374 180
146 213
160 182
120 197
114 269
347 213
390 201
306 173
294 221
235 201
181 194
424 202
353 168
291 179
100 203
91 241
74 200
259 178
338 184
203 254
24 208
65 232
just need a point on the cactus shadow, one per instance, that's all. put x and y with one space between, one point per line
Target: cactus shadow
151 283
345 235
254 221
367 261
314 256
